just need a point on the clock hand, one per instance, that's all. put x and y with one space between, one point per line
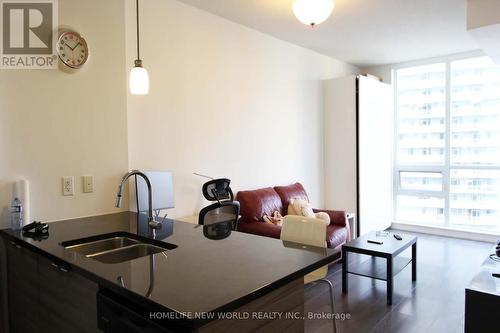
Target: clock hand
73 48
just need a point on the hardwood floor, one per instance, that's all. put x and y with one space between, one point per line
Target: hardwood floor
434 303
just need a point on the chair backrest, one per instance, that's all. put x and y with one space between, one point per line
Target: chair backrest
304 230
218 190
220 212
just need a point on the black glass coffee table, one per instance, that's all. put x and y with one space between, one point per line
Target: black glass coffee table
377 269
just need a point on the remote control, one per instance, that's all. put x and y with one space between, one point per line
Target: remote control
398 237
375 242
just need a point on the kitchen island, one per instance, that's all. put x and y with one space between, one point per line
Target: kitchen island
237 282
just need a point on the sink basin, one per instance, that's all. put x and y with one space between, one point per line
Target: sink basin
102 245
117 247
126 253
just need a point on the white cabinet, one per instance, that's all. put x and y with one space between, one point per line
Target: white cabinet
359 130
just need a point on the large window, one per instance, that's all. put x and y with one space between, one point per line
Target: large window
447 165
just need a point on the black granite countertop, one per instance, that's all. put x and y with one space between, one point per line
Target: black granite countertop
200 275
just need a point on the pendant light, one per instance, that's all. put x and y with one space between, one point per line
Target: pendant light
313 12
139 78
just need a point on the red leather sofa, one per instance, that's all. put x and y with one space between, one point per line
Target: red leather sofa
257 203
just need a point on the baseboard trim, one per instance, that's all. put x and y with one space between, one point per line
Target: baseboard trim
448 232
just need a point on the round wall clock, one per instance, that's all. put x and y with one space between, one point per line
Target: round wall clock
72 49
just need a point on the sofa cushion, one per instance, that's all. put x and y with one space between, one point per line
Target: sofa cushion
257 203
295 191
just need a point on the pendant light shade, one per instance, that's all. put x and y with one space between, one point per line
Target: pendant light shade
139 78
313 12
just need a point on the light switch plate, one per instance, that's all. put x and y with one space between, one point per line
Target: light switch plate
88 184
68 186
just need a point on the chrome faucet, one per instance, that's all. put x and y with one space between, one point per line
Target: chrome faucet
151 222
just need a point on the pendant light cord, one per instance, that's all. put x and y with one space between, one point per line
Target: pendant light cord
137 15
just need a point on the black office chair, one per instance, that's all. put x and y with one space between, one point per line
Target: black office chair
225 210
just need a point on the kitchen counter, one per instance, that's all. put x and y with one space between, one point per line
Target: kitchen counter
201 275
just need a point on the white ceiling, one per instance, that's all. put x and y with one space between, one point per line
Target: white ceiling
361 32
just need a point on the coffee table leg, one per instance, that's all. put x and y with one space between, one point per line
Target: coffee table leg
414 262
344 271
389 281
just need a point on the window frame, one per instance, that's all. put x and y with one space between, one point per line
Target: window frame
446 167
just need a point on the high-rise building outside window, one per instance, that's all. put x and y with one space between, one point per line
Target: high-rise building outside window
447 165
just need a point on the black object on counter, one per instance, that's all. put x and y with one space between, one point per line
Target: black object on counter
36 227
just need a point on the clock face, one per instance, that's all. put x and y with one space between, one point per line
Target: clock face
72 49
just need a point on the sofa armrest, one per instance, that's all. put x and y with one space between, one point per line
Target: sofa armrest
260 228
337 217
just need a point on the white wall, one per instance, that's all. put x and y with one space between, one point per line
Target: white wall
55 124
226 101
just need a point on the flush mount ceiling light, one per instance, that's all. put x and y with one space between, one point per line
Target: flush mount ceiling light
139 78
313 12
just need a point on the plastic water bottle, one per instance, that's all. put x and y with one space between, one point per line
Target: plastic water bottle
16 214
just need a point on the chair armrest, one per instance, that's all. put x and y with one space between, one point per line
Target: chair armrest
337 217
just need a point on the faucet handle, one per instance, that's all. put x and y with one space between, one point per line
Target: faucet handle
155 225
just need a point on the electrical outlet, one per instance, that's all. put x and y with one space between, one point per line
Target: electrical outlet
67 186
88 184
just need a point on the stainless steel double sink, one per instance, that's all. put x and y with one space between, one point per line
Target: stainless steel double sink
116 247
